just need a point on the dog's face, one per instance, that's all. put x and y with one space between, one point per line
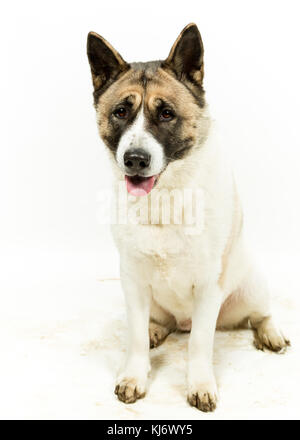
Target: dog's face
148 113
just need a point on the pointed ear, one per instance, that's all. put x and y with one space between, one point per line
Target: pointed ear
106 63
186 56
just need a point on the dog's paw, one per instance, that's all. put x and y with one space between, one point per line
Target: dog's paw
203 396
268 336
157 334
129 390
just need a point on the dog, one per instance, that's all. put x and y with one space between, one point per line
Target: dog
154 121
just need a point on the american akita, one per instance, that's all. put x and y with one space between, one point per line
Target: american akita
154 121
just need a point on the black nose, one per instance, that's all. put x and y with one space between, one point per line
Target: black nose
136 160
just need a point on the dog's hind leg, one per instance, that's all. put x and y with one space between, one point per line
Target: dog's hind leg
250 304
161 324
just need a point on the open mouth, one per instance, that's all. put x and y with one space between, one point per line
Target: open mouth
138 185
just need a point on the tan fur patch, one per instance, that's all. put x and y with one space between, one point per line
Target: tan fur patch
165 86
236 229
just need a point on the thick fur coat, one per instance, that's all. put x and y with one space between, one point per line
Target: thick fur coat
192 277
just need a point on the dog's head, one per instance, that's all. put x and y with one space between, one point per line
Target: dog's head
148 113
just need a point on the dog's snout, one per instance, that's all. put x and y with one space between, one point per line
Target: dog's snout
136 160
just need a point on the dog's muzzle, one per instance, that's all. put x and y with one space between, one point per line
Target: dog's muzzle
137 163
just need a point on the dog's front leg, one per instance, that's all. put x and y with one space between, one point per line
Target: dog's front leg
202 388
131 382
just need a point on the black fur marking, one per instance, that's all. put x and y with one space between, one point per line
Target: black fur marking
169 135
119 126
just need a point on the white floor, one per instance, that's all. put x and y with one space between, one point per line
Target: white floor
63 335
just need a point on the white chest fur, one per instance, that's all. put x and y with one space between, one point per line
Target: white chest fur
168 257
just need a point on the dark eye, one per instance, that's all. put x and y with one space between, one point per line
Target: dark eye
121 113
166 115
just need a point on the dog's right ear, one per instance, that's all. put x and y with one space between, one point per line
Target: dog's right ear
106 63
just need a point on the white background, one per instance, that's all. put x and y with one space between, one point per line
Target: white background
53 165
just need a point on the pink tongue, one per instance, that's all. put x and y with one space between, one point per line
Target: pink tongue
137 187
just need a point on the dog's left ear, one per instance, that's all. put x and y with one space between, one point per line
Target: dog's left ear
106 63
186 56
